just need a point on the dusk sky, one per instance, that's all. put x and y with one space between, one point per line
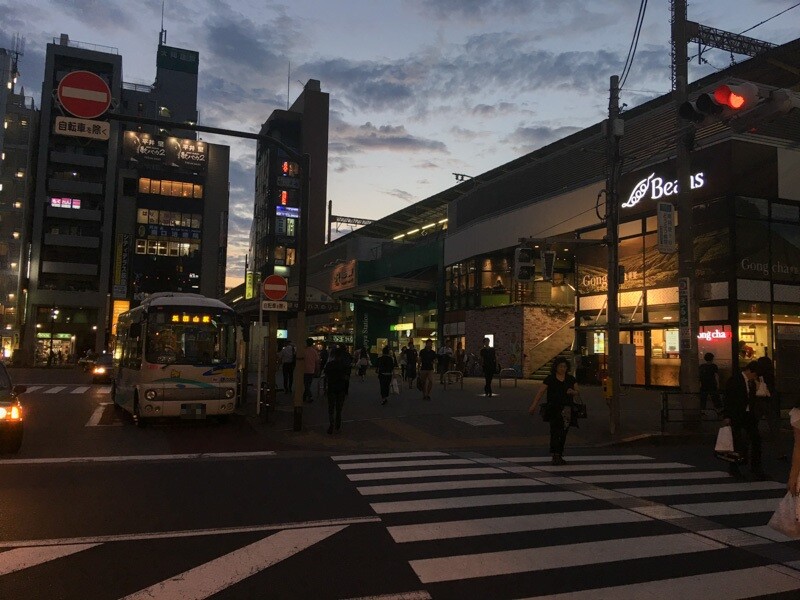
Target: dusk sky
419 89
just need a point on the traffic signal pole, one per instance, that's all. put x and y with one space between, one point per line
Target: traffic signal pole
613 131
301 259
688 305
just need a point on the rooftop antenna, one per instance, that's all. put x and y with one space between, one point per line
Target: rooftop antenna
288 83
18 44
162 36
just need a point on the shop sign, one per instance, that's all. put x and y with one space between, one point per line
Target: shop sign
182 153
401 327
655 188
667 243
340 338
343 276
714 334
122 258
85 128
764 268
684 316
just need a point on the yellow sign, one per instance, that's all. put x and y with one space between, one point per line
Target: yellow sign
120 306
190 319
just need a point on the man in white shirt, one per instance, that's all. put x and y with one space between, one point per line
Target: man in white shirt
287 357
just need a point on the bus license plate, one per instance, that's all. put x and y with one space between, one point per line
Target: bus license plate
193 411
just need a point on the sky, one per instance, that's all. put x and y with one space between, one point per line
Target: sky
419 89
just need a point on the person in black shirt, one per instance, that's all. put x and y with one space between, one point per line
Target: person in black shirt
489 365
385 369
561 388
337 372
411 363
427 358
709 382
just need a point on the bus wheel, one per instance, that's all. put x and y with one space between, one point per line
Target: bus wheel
137 416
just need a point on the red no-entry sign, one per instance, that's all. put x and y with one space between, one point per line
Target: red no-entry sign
275 287
84 94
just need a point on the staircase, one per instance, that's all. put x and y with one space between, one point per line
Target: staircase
543 371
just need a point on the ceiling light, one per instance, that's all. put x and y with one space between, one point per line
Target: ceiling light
397 237
429 225
442 221
412 231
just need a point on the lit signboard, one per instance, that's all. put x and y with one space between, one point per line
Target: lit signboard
287 211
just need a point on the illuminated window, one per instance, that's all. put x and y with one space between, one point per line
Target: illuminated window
198 191
144 185
155 186
141 246
141 216
152 217
174 248
186 190
196 220
17 204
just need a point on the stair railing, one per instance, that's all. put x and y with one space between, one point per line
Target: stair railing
543 340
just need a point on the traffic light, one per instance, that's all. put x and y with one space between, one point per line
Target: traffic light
523 265
727 101
548 264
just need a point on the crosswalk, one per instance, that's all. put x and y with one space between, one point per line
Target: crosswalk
602 526
67 389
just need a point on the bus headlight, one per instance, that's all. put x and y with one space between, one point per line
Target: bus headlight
230 393
150 395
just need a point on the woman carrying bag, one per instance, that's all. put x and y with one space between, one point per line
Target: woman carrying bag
561 389
787 517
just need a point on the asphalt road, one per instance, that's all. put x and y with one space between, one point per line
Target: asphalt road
93 507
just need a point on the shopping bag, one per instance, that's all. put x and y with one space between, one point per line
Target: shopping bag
579 408
395 386
787 516
724 449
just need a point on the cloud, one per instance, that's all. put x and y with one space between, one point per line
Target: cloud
98 13
528 139
350 139
402 195
480 10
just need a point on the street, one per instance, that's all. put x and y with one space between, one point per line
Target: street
94 508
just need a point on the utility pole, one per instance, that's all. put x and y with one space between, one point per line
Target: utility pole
301 260
613 134
687 293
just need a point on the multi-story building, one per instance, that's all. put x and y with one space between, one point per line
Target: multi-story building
17 136
118 210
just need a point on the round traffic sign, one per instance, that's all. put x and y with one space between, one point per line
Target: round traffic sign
275 287
84 94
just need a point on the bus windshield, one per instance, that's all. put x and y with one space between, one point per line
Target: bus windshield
190 337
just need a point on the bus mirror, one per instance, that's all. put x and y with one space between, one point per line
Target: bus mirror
135 330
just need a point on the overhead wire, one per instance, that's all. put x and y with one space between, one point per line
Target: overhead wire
626 69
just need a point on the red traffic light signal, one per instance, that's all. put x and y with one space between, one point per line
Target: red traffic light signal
725 102
737 97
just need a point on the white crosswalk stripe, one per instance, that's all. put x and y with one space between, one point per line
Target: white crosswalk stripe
66 389
468 519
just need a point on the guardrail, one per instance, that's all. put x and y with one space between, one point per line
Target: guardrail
684 407
508 373
453 377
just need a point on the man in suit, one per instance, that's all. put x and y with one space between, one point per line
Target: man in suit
742 412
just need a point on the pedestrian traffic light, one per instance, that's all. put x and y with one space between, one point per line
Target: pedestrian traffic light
727 101
524 268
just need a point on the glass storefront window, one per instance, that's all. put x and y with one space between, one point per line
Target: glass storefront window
144 185
717 339
665 362
752 208
754 333
197 191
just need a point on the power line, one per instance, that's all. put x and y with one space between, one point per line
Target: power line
770 19
626 69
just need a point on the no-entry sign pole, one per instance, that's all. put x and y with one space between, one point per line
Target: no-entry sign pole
260 347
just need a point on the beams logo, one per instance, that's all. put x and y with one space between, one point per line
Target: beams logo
657 188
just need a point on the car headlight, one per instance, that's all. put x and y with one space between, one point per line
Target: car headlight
10 414
150 394
99 370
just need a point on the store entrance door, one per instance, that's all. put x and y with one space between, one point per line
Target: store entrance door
635 338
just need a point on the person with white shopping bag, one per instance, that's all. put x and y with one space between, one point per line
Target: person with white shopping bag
741 412
787 516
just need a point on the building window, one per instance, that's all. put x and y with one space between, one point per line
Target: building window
176 189
141 246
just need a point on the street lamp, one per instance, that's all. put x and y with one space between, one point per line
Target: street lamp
53 317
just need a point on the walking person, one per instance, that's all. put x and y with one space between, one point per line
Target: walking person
337 372
385 370
324 355
741 411
489 366
561 388
427 359
709 382
444 357
288 358
403 364
412 357
362 362
310 369
769 397
793 485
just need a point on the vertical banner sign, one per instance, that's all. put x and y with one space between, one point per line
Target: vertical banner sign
548 264
248 285
120 289
667 244
684 317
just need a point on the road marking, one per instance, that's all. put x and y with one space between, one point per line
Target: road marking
23 558
136 458
733 537
488 564
406 463
719 488
186 533
731 585
419 595
104 390
94 420
56 390
80 390
214 576
612 467
735 507
387 455
765 531
599 458
459 484
501 525
33 388
383 508
478 420
427 473
630 477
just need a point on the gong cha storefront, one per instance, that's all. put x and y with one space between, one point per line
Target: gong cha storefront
746 209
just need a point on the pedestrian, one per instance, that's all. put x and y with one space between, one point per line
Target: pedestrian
459 357
385 370
288 358
410 352
323 360
561 388
337 372
402 364
362 362
444 357
427 358
742 411
709 382
772 404
793 485
310 369
489 366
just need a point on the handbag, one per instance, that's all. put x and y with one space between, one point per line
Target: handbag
395 386
762 391
724 449
578 407
787 516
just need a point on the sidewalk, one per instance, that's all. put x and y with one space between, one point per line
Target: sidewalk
409 423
